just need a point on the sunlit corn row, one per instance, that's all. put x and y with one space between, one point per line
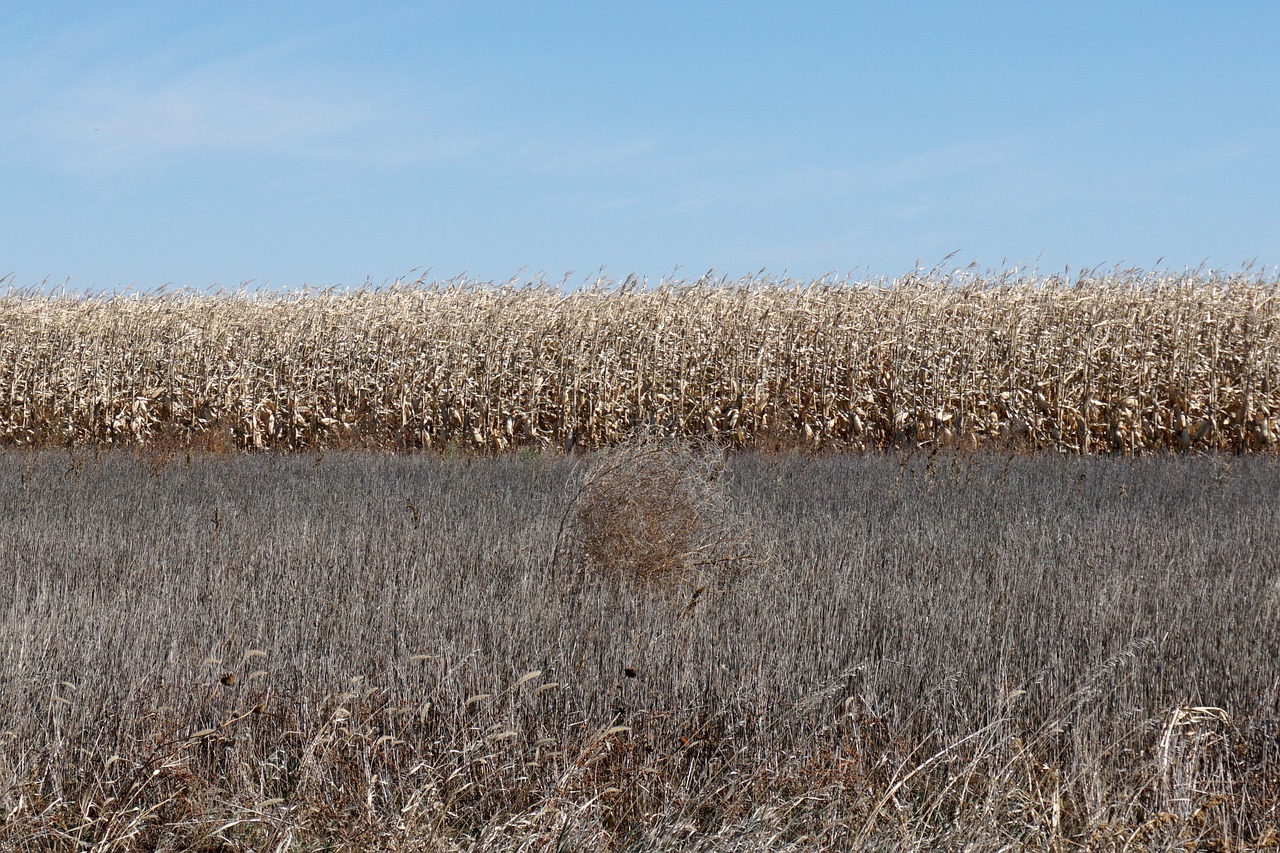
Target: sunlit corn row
1122 362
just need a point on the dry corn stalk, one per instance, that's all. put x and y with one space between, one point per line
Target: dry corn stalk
1128 362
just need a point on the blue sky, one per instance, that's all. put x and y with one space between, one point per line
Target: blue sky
210 144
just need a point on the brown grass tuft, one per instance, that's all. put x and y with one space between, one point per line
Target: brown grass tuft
653 510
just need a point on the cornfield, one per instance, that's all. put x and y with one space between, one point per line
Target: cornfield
1122 362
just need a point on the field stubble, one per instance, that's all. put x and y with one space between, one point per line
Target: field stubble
289 652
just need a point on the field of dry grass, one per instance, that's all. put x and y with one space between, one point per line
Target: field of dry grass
1125 362
367 651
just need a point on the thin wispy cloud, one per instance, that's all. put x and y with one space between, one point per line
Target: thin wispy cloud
960 166
576 156
208 109
116 118
946 162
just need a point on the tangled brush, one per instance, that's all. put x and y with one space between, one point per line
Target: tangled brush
653 510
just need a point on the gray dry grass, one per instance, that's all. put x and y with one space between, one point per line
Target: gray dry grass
373 652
